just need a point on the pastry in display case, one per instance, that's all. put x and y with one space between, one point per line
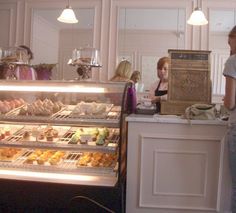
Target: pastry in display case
66 133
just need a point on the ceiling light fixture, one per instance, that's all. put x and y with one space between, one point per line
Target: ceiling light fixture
197 17
68 15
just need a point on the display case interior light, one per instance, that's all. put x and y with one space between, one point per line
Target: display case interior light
73 89
49 175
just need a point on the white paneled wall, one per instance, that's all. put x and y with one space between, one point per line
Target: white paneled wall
45 40
143 48
68 42
218 59
147 46
5 23
8 11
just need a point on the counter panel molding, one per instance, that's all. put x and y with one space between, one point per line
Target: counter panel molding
176 167
177 171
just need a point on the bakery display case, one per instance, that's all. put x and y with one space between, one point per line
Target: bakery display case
65 133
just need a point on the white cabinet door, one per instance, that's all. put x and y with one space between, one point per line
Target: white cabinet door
175 168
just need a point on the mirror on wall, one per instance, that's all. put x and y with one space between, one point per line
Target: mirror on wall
145 35
221 21
52 42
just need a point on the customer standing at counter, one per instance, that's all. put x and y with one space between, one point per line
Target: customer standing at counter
122 74
135 78
18 68
123 71
26 71
230 103
158 90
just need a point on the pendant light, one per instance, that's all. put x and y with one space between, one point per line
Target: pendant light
197 17
68 15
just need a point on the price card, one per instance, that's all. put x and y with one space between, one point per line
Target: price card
85 138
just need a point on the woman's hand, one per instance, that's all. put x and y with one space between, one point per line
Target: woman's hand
156 99
229 98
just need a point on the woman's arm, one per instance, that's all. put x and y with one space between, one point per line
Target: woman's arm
151 94
229 99
156 99
152 90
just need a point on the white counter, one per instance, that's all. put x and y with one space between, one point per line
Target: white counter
176 166
171 119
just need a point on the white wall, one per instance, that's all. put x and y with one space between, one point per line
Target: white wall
4 23
45 41
8 19
144 47
105 35
69 40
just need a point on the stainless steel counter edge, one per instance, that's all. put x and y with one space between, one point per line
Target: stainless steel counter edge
171 119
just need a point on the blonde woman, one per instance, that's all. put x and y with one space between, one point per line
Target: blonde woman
123 71
135 77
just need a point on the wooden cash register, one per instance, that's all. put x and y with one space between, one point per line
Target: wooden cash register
189 80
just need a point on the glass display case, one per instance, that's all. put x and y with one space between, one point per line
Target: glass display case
64 132
15 64
15 55
87 56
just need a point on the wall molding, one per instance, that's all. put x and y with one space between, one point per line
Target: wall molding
183 152
11 8
171 141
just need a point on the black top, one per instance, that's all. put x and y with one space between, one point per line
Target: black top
159 93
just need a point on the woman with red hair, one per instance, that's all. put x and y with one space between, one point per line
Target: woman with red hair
159 89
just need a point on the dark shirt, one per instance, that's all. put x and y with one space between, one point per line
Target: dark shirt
159 93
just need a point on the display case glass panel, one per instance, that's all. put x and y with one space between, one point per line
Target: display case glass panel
64 127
